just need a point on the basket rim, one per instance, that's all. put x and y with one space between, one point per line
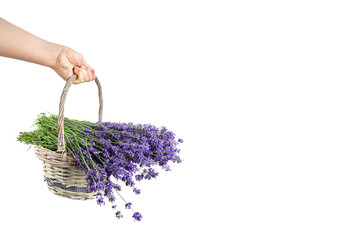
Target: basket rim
56 158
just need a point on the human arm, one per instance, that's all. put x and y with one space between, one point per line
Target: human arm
19 44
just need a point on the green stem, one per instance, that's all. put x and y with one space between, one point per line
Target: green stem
123 199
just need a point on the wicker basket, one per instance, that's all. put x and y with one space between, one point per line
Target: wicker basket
61 172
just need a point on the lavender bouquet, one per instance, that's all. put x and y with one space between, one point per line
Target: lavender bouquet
110 153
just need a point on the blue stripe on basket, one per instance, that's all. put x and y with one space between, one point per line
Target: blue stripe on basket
71 189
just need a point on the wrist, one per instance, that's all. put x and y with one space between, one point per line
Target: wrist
56 51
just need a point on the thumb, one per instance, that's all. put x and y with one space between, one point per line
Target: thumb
64 70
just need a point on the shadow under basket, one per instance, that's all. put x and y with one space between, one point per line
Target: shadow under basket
63 176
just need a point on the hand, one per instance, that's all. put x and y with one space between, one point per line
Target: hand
68 62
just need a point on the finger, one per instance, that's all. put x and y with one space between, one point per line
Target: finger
76 70
89 74
77 82
80 75
83 75
85 71
90 71
65 70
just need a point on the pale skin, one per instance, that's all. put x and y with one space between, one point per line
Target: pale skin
19 44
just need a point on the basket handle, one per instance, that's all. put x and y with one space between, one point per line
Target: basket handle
69 82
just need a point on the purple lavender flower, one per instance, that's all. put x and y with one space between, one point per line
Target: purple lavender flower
119 215
139 177
111 198
137 216
117 187
136 191
128 205
100 201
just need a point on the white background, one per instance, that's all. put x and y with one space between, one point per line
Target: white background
265 95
